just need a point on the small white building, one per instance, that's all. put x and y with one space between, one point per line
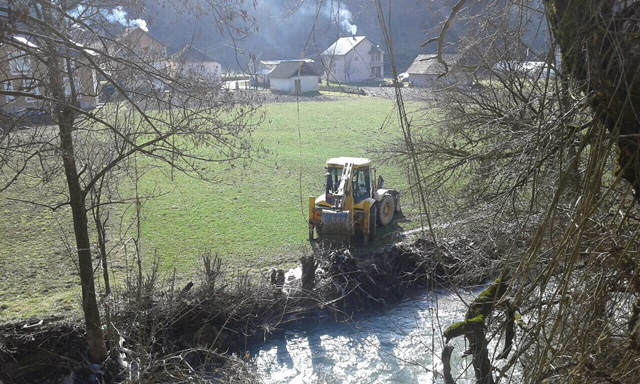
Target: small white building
190 61
427 71
296 76
353 59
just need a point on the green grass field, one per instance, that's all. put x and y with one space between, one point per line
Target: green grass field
253 215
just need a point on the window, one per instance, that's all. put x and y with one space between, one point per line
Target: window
19 63
8 86
362 185
67 85
30 86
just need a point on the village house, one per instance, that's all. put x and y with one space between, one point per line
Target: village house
260 70
190 61
353 59
427 71
137 46
23 72
295 76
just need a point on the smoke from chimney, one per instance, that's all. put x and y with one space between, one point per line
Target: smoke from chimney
345 19
338 12
119 15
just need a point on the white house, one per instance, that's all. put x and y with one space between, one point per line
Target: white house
24 75
259 70
190 61
353 59
294 76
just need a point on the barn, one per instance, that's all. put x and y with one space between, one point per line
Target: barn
426 70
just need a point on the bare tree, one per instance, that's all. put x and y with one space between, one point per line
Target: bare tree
57 59
532 151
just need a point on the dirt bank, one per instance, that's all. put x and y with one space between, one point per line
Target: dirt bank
207 327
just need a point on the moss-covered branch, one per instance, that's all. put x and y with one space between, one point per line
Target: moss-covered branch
473 328
478 311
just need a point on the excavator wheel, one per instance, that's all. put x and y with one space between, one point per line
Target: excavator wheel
386 209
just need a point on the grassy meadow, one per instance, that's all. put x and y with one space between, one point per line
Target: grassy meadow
253 214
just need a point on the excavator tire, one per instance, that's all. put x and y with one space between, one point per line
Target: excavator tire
386 209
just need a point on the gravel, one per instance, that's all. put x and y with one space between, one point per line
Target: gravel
267 96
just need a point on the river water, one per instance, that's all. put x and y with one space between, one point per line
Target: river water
401 345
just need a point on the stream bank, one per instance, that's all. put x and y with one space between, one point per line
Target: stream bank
201 327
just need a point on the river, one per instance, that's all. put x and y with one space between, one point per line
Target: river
401 345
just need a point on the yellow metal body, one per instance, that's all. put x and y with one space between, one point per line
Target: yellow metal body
346 205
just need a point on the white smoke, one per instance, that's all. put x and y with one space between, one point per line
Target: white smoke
338 11
140 24
345 19
119 15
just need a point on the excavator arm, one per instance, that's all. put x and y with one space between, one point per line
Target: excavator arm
337 214
337 221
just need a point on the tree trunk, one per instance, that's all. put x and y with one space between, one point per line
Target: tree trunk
95 336
101 229
64 114
599 48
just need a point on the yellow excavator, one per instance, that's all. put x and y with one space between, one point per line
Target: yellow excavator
354 202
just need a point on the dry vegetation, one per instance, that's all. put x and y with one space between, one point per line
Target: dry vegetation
205 328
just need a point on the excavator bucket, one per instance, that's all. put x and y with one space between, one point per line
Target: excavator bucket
335 224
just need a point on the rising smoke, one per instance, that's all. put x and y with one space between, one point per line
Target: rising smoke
345 16
119 15
115 15
340 14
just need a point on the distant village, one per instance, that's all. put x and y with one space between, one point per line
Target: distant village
349 60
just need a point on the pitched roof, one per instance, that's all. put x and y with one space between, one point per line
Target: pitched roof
27 43
375 49
429 64
289 69
343 45
137 30
191 54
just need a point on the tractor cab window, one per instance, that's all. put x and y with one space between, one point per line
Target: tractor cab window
362 185
333 182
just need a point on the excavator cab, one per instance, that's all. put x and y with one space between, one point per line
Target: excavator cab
352 203
363 185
